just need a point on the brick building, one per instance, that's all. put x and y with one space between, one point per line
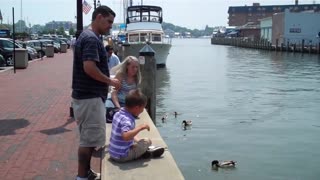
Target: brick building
241 15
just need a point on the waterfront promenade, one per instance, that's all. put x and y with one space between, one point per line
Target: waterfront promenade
38 139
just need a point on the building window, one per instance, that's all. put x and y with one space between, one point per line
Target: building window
314 7
249 9
249 14
306 7
274 8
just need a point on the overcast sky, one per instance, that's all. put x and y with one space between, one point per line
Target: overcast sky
188 13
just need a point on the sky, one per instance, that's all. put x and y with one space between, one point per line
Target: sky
187 13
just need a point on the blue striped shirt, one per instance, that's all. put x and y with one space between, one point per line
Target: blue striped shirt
89 47
123 121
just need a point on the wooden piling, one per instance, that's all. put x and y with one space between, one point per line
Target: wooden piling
148 69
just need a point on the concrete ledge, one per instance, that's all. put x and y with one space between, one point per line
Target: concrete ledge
144 169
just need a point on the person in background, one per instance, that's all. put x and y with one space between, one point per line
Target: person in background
129 75
113 59
90 79
72 43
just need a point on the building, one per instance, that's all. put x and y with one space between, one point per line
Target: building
295 27
57 24
266 28
241 15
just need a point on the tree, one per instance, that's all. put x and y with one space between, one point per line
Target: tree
61 31
71 31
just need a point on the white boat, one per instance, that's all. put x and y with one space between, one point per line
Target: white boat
143 25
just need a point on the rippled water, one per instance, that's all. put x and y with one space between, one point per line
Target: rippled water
259 108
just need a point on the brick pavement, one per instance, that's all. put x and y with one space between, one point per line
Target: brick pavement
38 139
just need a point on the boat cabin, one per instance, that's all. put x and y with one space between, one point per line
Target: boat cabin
144 25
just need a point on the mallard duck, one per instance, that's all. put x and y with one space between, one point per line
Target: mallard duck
164 118
186 123
176 114
224 164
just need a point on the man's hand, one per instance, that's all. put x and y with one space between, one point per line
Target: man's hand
115 83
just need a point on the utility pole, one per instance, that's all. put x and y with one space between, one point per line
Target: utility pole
79 18
21 16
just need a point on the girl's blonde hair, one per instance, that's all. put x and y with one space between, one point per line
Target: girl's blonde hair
121 69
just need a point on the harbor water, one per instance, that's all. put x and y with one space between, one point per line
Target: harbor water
256 107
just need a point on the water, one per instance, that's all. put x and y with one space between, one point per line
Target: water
259 108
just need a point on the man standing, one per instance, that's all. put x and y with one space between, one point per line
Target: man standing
113 59
90 82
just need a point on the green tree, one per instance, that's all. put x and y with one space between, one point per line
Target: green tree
61 31
71 31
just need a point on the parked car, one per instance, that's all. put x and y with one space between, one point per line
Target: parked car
65 40
49 41
36 44
32 53
6 49
2 61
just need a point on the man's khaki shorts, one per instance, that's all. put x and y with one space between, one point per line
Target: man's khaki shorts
90 115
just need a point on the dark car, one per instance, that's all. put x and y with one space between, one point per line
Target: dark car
6 49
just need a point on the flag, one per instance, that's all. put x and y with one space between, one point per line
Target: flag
86 7
1 16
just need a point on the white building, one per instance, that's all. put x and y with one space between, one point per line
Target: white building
266 28
295 27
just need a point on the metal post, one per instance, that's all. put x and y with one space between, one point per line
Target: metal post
41 50
14 42
79 18
94 4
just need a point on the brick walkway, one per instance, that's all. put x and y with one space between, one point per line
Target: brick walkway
38 139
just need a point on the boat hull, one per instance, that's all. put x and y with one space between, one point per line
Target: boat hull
161 51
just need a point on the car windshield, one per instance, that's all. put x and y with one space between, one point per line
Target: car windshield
7 44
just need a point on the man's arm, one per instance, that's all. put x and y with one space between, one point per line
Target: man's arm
94 72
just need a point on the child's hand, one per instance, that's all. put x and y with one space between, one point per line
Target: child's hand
145 126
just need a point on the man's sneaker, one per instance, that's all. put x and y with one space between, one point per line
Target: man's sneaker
93 175
155 151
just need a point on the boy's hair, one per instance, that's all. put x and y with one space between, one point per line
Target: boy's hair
105 11
135 98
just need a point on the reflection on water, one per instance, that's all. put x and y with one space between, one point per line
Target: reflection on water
259 108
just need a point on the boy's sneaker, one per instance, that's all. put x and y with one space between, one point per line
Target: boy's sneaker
155 151
93 175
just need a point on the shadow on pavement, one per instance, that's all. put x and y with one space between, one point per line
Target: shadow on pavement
8 126
59 129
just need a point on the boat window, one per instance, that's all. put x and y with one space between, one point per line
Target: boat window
156 37
143 37
133 37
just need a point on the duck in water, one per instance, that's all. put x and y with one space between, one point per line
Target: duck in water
186 123
215 164
164 118
176 114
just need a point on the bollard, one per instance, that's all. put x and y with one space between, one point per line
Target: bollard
288 45
41 52
319 48
282 47
294 47
148 69
302 46
277 44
